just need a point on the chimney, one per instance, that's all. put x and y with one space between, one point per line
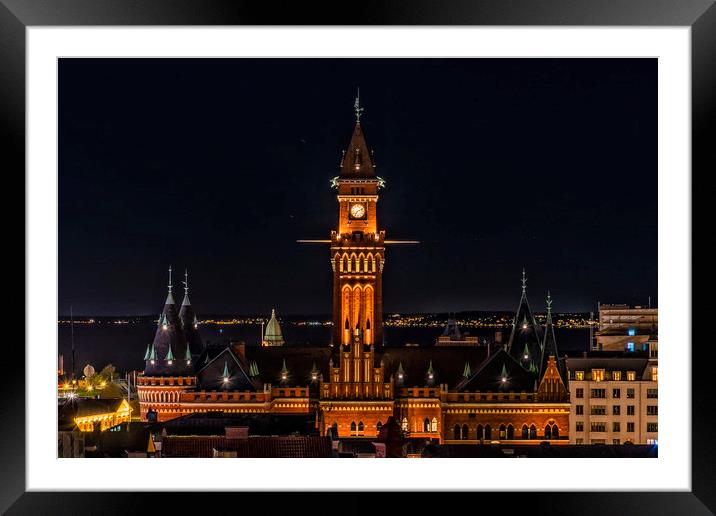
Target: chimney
240 349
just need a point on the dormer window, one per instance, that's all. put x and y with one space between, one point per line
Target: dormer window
598 375
654 374
616 375
631 376
579 376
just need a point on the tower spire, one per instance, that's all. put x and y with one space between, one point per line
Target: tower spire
524 281
186 282
170 279
356 106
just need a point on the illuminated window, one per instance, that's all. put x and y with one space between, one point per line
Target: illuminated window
631 332
654 374
631 376
598 375
616 375
630 346
579 375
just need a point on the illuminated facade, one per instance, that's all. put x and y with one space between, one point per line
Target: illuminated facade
451 392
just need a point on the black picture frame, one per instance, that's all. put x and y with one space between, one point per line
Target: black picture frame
700 15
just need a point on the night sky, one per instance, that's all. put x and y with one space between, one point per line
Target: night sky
220 165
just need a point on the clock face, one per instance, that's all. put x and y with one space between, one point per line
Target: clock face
357 211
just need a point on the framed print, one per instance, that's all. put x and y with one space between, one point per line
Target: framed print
290 236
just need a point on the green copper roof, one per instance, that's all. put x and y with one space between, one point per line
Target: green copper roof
170 355
430 368
146 354
467 372
226 370
503 374
153 353
187 355
273 335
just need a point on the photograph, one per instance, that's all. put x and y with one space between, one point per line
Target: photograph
357 257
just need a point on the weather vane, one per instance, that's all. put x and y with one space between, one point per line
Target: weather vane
549 303
356 105
186 281
524 281
170 278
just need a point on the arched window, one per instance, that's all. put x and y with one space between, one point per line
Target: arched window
533 432
426 425
404 424
434 425
334 426
510 432
480 433
465 432
457 435
488 432
353 427
548 432
555 431
379 426
360 427
503 432
525 432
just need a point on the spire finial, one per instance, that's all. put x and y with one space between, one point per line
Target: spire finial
356 106
524 281
170 278
549 303
186 282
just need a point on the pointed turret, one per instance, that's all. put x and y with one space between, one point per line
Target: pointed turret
431 374
169 343
284 372
273 335
357 160
400 374
549 346
526 336
467 371
189 323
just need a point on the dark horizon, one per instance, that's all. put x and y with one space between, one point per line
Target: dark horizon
220 165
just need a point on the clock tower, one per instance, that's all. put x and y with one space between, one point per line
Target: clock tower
357 246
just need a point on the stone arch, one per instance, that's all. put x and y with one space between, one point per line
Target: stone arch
465 432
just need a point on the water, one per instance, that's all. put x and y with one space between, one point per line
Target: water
123 345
